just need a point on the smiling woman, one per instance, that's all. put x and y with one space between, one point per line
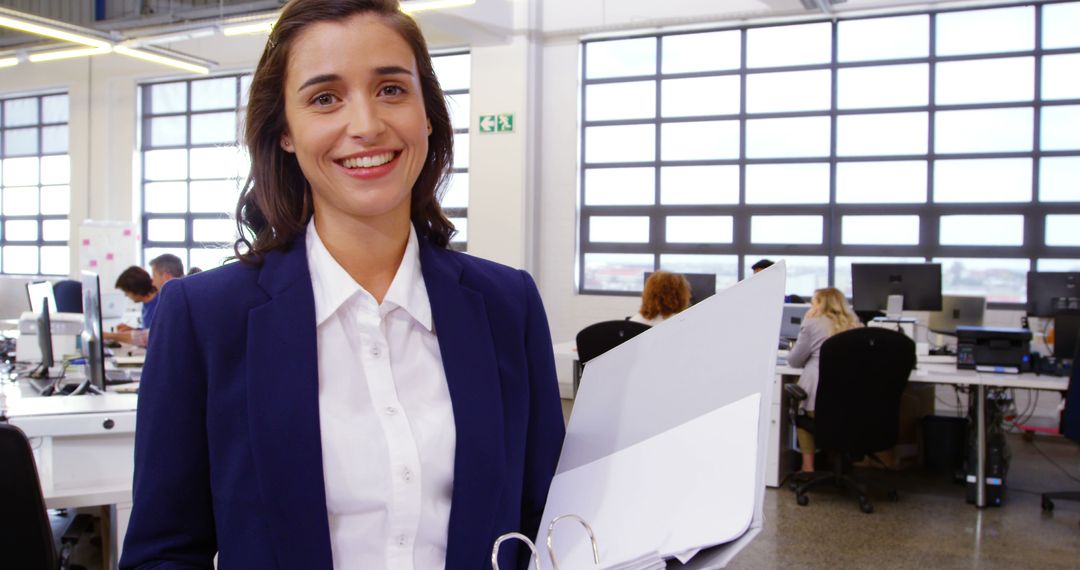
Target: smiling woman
353 394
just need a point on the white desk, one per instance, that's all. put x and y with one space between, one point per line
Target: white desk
84 449
932 370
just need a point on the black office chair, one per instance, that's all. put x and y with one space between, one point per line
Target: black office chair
598 338
26 536
68 294
1070 428
862 374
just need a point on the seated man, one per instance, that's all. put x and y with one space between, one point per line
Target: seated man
138 286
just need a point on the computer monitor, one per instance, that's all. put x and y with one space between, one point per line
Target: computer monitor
957 311
93 345
1066 336
918 283
702 285
44 340
1050 293
792 319
36 292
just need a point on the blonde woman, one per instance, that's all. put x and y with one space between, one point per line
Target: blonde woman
829 314
665 294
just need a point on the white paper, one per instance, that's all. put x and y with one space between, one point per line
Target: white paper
678 489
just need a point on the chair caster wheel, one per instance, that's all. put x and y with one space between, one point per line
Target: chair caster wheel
803 500
1047 504
866 507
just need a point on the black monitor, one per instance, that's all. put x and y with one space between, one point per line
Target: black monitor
702 285
873 283
93 345
44 340
1066 335
1051 293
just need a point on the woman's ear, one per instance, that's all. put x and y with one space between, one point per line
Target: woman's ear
286 143
429 127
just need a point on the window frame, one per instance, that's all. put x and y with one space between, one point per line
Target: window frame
39 218
929 212
188 217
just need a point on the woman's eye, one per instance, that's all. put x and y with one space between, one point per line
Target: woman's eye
324 99
392 90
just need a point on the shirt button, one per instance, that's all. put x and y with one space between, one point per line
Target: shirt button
402 540
375 351
406 474
391 410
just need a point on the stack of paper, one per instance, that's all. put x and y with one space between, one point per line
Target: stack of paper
665 450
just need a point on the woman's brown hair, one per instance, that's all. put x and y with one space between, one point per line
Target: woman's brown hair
276 200
135 280
665 294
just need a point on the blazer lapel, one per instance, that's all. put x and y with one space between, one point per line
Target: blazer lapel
472 374
283 406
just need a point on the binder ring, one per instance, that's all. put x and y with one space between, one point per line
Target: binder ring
510 536
551 543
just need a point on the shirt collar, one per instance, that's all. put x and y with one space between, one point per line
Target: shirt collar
333 286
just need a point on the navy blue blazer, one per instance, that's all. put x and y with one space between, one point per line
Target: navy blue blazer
228 456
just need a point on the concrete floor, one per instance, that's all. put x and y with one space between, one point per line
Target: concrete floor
931 526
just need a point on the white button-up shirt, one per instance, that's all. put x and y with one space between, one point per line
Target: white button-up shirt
385 415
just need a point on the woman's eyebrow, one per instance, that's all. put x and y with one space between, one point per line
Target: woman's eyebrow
329 77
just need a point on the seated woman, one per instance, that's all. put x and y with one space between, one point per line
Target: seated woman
138 286
829 314
665 294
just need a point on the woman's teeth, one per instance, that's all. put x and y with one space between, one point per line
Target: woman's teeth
368 161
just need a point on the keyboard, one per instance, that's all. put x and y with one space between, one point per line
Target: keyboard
114 376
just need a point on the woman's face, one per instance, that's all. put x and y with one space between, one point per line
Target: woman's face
356 118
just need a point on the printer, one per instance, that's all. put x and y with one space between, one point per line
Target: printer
996 349
64 327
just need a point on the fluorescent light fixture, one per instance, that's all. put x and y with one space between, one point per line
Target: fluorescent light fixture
30 27
424 5
8 61
169 38
255 28
66 54
155 57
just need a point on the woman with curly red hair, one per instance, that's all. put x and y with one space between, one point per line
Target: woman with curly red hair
665 294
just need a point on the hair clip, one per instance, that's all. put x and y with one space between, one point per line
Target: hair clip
551 543
271 43
509 536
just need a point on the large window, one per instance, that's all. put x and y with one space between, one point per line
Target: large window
35 173
950 136
194 165
453 71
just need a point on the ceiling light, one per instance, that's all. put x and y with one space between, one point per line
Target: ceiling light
8 61
423 5
8 19
66 54
256 28
169 38
155 57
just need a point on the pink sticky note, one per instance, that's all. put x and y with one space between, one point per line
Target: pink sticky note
127 233
108 257
93 263
86 242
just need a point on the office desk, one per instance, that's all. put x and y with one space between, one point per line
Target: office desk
84 449
931 370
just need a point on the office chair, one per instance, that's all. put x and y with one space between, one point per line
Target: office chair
68 293
598 338
862 375
26 536
1070 428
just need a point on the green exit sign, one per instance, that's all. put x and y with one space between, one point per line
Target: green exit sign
498 123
